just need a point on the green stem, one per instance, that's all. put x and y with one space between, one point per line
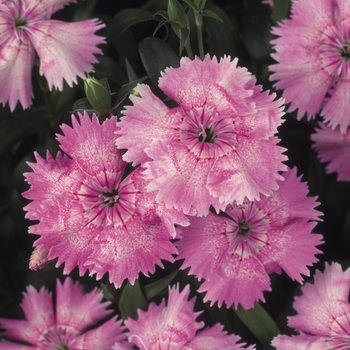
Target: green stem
200 35
189 49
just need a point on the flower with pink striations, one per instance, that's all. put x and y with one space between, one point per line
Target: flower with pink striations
66 50
174 327
323 313
313 60
234 252
88 216
217 146
333 147
69 323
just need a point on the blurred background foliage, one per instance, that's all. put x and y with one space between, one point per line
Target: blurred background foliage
138 46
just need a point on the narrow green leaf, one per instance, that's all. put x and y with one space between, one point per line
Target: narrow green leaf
125 90
177 14
152 289
124 19
259 322
208 13
191 4
130 70
280 10
82 105
156 55
184 35
131 300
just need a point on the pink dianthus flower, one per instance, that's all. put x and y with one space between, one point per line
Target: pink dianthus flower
88 216
217 146
235 252
313 55
174 327
70 323
66 50
323 313
333 147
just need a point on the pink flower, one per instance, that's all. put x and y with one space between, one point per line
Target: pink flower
333 147
236 251
88 216
70 323
174 327
66 50
217 146
313 55
268 2
323 313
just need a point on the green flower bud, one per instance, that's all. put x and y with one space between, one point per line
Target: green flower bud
98 95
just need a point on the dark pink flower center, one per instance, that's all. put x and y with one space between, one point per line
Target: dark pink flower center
111 198
246 230
56 339
20 22
345 51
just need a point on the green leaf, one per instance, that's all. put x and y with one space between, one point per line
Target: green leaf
280 10
125 90
259 322
16 127
131 300
124 19
177 14
184 36
82 105
208 13
153 289
131 73
191 4
156 55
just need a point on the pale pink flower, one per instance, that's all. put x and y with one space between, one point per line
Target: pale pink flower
174 327
66 50
217 146
234 252
313 55
333 147
68 323
90 218
323 313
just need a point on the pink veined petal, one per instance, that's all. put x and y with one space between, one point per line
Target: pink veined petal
6 28
241 282
333 147
302 341
66 50
165 327
103 337
92 147
39 314
43 9
148 119
336 110
192 86
16 62
214 338
238 171
76 309
6 345
323 308
179 177
294 237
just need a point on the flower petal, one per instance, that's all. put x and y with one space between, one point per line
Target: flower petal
66 50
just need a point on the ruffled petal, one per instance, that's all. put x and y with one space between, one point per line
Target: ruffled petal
302 341
336 111
147 120
333 147
43 9
247 171
39 314
66 50
76 309
323 309
16 63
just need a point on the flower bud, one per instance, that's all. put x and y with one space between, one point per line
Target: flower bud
98 95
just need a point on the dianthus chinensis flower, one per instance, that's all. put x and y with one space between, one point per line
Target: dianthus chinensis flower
66 50
69 323
174 327
323 313
235 252
333 147
313 55
88 216
217 146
